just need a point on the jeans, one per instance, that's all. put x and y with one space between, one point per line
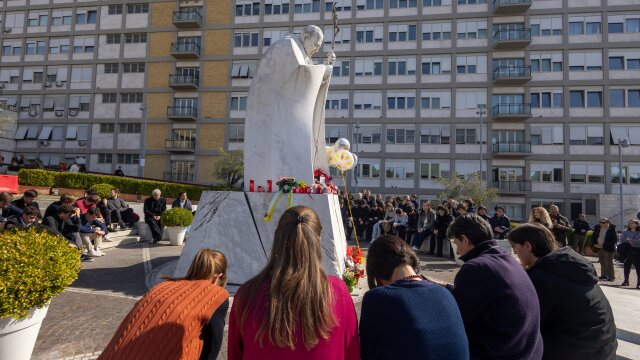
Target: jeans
419 238
376 231
633 259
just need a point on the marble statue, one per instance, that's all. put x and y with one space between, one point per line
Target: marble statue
284 125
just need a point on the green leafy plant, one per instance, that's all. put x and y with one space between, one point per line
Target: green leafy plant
104 190
177 217
229 166
35 266
35 177
463 187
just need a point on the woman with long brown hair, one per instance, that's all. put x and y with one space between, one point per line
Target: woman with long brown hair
292 309
540 215
182 318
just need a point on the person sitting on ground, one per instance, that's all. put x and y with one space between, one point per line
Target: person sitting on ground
581 227
90 200
498 302
394 321
482 212
500 223
360 216
375 216
576 320
52 209
28 199
182 318
119 209
182 202
383 226
443 219
92 232
154 206
400 223
28 218
631 236
7 209
426 222
66 224
292 309
604 241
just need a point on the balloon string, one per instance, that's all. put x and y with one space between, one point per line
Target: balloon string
353 224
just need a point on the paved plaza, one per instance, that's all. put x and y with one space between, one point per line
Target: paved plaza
82 319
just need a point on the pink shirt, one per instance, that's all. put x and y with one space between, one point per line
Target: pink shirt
343 342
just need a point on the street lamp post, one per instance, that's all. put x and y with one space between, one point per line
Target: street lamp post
482 112
355 173
622 143
143 144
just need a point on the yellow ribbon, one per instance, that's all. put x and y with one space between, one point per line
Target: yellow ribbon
274 203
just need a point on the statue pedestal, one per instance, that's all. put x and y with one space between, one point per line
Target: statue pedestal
231 222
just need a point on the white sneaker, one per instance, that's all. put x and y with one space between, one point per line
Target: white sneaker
93 254
106 239
414 248
99 252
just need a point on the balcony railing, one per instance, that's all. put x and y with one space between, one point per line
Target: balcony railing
512 73
181 177
187 18
509 111
510 6
185 50
515 147
177 81
512 186
511 38
180 145
182 112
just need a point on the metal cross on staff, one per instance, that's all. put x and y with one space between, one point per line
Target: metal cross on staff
336 28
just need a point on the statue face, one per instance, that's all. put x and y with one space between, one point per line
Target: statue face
313 43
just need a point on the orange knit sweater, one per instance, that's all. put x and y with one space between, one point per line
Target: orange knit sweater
166 323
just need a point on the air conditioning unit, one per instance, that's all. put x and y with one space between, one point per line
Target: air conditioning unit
59 113
47 84
82 143
45 142
33 112
73 112
59 83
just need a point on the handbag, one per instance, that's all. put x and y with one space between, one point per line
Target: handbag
622 251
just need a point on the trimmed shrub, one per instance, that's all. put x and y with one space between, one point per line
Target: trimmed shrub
177 217
104 190
35 266
35 177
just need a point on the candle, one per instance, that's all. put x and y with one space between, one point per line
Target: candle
269 186
251 184
260 189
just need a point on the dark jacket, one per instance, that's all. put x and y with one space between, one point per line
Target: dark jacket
60 227
153 207
10 211
176 204
502 221
52 209
610 238
87 226
581 227
18 222
442 224
412 220
560 233
19 203
499 305
576 320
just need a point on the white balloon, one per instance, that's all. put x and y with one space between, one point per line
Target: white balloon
342 144
355 160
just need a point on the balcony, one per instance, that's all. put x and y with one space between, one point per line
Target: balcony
185 50
182 113
515 186
511 39
515 148
188 146
511 6
511 111
511 75
187 19
179 177
184 82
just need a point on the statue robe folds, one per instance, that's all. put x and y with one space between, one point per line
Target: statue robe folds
284 125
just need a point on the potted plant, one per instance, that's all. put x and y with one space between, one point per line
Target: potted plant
35 266
176 220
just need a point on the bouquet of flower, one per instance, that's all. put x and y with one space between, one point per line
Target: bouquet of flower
354 269
286 184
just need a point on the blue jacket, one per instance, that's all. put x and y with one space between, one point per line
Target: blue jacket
86 226
499 305
176 204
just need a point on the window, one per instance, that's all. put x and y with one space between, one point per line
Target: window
401 135
579 25
435 100
547 172
81 74
239 103
429 3
61 17
36 47
436 31
402 32
236 133
135 38
436 65
109 98
585 98
546 99
79 103
625 132
395 169
344 36
616 63
369 4
630 174
369 33
115 9
471 64
587 173
107 128
306 6
585 60
341 5
618 99
243 70
83 45
111 68
470 98
129 128
472 29
276 7
86 16
546 62
471 2
271 36
466 136
586 135
341 68
137 8
546 26
247 8
434 169
435 134
367 100
337 101
367 134
128 158
247 39
133 67
401 101
402 4
547 135
368 169
105 158
397 66
114 38
334 132
59 46
624 23
38 18
368 67
128 98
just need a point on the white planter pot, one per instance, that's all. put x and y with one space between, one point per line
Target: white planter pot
18 337
176 234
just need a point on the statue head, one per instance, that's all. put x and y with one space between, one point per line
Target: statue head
312 39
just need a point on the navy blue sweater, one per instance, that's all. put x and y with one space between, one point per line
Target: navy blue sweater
411 320
499 305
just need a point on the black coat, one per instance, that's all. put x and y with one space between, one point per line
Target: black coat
576 320
153 207
442 224
581 227
60 227
610 238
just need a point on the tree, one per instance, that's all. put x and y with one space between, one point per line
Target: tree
461 187
230 166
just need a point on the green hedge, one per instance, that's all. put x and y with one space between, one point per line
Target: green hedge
104 190
177 217
33 177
